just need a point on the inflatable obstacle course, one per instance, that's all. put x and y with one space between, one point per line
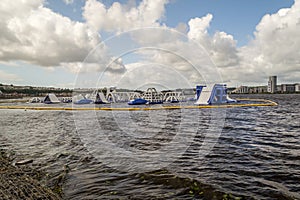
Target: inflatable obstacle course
240 103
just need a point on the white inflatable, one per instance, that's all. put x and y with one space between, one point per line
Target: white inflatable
216 94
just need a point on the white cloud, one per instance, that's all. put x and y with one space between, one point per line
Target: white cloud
68 1
32 33
221 46
275 48
224 50
120 17
198 27
163 56
273 51
280 31
35 34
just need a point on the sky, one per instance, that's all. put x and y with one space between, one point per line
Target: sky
141 43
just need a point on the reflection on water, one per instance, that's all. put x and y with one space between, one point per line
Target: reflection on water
256 155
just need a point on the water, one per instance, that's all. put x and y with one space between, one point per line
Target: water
253 152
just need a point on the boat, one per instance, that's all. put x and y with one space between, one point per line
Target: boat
138 101
152 96
51 98
216 94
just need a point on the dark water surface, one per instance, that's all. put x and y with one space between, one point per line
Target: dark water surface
249 152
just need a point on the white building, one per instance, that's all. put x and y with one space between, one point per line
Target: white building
297 87
286 88
272 84
241 90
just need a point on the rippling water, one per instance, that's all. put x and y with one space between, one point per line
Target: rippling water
251 152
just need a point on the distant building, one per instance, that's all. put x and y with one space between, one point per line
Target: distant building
278 88
241 90
272 84
258 89
297 87
288 88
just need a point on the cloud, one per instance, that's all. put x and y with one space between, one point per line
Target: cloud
9 77
109 65
224 50
275 48
221 46
172 51
153 74
35 34
68 1
32 33
197 56
120 17
280 30
198 27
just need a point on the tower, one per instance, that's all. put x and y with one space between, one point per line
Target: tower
272 84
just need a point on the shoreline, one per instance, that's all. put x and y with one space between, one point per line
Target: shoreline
21 181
